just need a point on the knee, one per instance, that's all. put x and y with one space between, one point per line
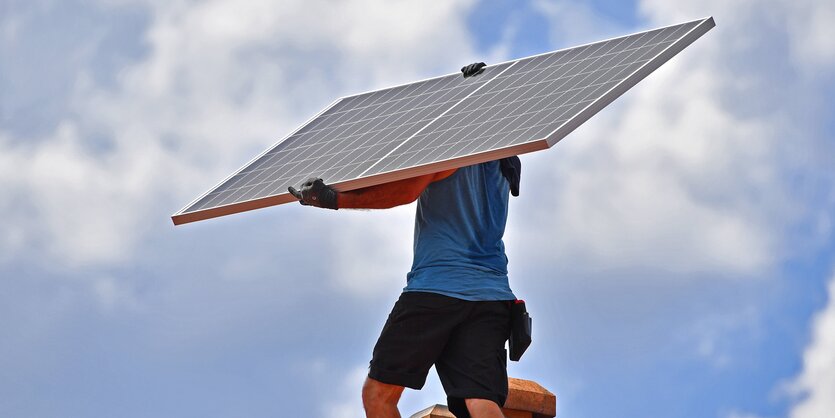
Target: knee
376 394
483 408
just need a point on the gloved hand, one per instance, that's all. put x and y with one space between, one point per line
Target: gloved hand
512 170
473 69
315 192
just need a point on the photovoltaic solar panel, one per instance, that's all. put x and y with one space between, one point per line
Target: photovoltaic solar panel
447 122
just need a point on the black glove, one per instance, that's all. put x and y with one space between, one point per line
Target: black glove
473 69
512 171
315 192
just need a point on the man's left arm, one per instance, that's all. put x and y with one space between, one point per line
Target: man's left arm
315 192
389 195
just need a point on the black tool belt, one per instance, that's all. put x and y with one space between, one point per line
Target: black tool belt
520 330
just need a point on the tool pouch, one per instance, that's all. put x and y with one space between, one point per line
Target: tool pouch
520 330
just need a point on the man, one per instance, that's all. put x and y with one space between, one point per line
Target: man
454 312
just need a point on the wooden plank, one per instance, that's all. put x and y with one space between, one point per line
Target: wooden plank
527 395
434 411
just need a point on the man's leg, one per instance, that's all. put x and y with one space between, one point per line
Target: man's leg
412 339
482 408
473 365
380 399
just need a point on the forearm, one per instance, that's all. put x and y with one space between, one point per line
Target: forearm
388 195
384 196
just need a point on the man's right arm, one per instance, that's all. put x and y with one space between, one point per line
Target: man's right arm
389 195
315 192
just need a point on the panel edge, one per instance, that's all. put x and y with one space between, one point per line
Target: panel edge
248 163
387 177
632 80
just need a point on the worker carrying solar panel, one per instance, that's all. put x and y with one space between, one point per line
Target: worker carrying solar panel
455 311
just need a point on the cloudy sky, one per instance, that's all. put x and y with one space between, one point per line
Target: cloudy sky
676 251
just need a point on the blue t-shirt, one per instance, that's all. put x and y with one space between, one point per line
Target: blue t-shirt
458 246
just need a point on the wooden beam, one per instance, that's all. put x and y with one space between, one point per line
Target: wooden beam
525 399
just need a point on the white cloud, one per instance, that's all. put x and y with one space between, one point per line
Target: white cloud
687 173
575 23
815 386
220 81
654 185
372 252
813 35
346 396
71 204
747 148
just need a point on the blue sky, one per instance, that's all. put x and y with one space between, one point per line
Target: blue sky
676 251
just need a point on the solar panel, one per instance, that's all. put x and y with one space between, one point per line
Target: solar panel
446 122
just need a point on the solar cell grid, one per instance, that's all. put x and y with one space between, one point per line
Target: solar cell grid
443 122
531 99
336 144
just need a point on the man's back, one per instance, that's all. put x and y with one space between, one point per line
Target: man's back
458 248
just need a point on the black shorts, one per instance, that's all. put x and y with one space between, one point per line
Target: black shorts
464 340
